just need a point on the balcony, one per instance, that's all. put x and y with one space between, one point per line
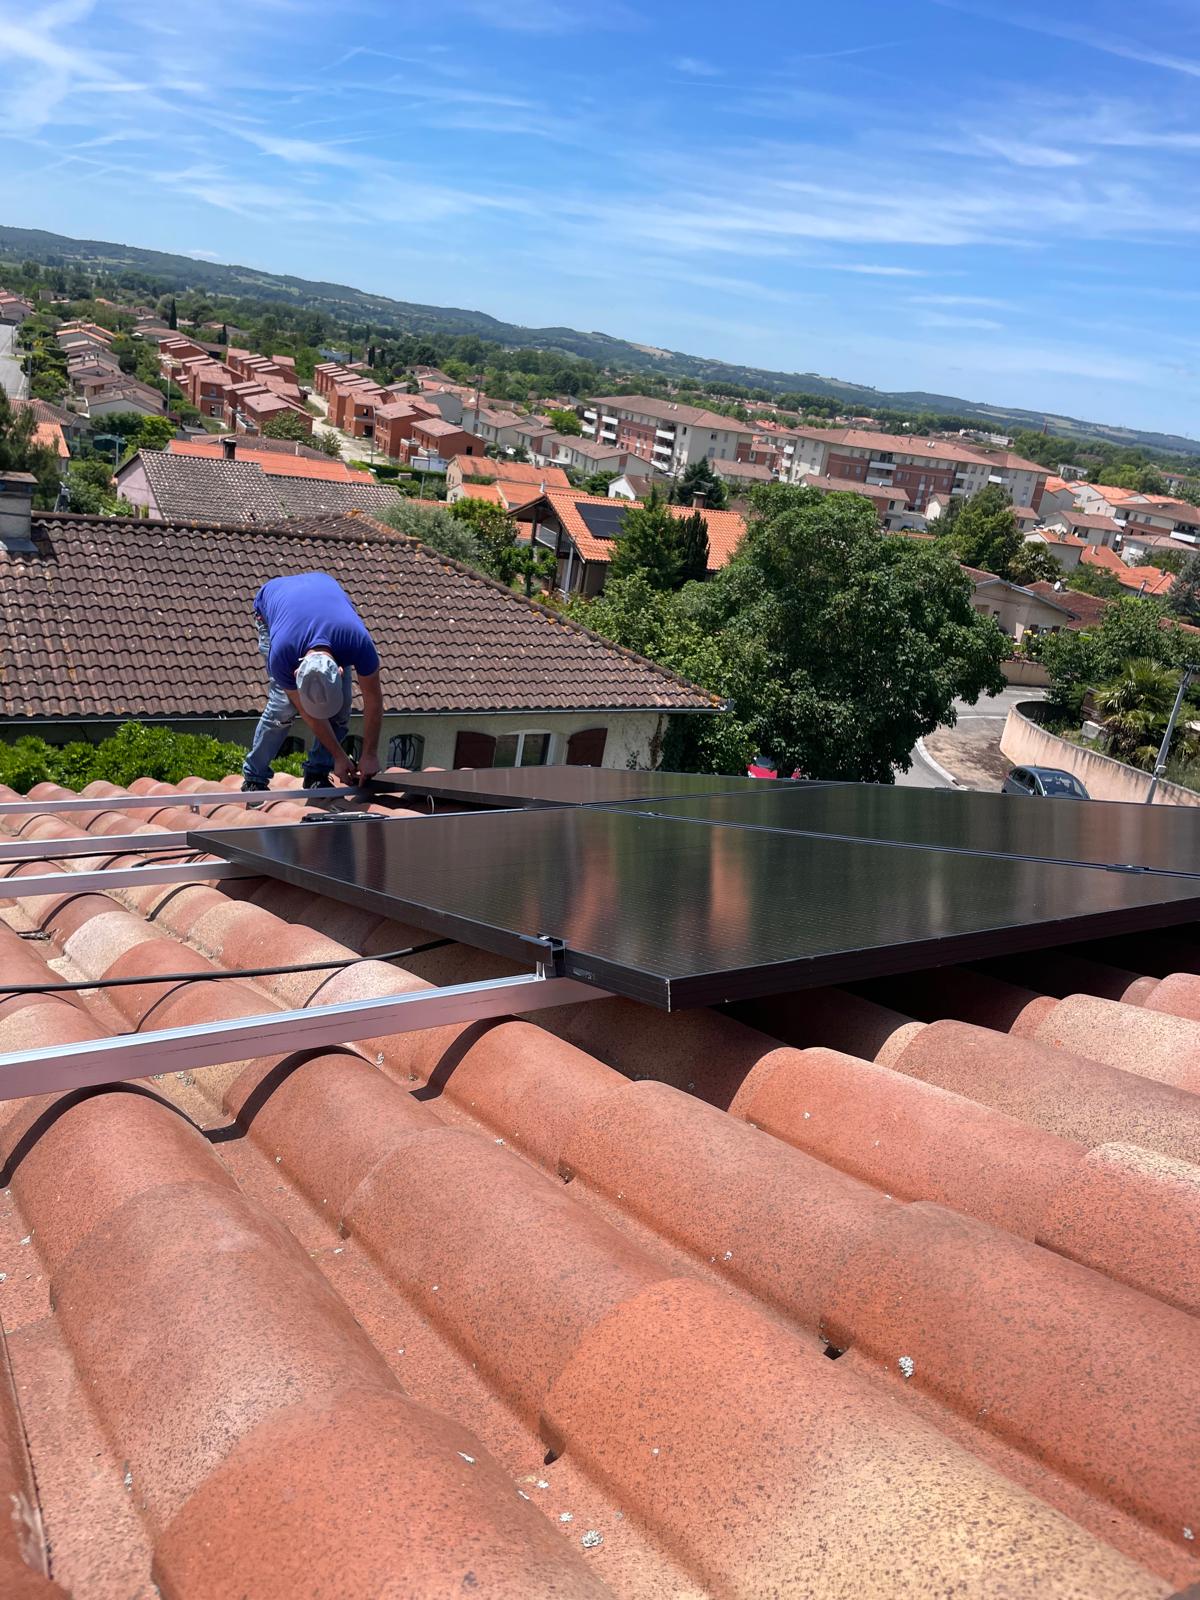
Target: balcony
880 465
588 430
589 416
665 433
608 420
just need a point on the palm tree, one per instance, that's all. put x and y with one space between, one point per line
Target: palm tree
1135 707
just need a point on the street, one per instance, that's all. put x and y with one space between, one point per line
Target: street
12 378
971 749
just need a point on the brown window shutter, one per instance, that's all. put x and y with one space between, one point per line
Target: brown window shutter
474 750
586 748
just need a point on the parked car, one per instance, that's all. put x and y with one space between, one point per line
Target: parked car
1051 783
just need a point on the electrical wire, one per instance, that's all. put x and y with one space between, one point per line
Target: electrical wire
217 977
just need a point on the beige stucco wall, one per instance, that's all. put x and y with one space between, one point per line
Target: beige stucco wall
1028 745
634 737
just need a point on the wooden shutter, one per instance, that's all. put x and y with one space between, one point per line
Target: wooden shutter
474 749
586 748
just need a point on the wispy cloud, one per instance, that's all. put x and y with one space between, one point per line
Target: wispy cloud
868 269
1025 153
941 319
1119 45
985 302
695 68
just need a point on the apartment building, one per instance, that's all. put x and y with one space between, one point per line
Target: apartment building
666 433
587 455
924 468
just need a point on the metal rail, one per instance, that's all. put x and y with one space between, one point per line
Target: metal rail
122 878
163 802
92 1062
163 842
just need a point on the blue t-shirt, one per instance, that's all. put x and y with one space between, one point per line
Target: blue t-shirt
309 612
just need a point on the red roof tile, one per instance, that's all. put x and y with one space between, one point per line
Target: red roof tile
450 639
472 1303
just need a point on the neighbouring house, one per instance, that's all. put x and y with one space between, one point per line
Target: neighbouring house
14 308
890 504
632 486
253 407
1087 525
433 443
1138 580
925 468
582 530
286 463
1138 541
168 486
55 426
1058 495
1016 608
125 397
666 433
394 424
586 455
1159 513
464 472
1066 548
743 475
474 675
498 427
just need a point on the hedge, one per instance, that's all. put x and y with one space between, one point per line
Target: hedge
134 751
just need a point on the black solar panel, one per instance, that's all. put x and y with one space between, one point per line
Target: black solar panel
603 522
680 912
562 786
1156 838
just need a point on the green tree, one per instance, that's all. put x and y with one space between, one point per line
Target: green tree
172 314
649 543
327 442
838 645
564 421
985 532
700 478
1183 598
20 451
90 486
1085 579
1136 705
288 425
1034 563
693 548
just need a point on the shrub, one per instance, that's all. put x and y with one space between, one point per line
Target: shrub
134 751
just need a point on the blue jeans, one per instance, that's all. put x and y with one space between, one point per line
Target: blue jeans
275 725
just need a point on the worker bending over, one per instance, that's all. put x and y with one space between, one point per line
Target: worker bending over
310 637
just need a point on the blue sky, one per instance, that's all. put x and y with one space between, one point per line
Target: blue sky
999 201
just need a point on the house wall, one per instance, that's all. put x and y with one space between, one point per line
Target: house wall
1017 614
634 737
135 486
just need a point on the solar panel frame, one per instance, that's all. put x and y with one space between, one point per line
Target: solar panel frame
678 913
530 787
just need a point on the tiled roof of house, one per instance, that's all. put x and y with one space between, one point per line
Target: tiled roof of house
546 1307
117 618
1142 580
870 491
726 529
1087 519
671 411
755 471
510 471
1087 610
200 488
1054 536
275 463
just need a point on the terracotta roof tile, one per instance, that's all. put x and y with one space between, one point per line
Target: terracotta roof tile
476 1302
451 640
726 529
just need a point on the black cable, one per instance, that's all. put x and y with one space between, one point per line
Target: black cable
217 977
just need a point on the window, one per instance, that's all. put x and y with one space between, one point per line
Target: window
407 750
521 750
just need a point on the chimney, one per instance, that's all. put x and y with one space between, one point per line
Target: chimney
700 499
229 449
16 508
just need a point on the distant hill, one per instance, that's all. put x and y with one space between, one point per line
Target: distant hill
355 305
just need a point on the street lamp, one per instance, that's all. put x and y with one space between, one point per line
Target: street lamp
1164 749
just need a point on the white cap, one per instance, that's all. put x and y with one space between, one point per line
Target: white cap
319 685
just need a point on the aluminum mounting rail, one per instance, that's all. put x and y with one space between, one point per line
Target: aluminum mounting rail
54 1069
164 842
122 878
161 802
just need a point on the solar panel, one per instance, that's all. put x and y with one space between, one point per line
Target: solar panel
563 786
603 522
1155 838
682 912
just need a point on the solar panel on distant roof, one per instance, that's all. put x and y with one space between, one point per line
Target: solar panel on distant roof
680 913
604 521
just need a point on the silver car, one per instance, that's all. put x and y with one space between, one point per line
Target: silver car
1050 783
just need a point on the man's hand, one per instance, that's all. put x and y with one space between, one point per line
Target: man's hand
344 769
368 765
